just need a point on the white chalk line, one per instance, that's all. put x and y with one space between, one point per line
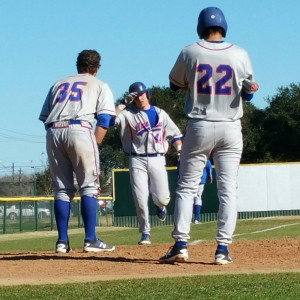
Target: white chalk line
267 229
196 242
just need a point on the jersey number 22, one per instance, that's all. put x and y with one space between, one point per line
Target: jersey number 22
220 85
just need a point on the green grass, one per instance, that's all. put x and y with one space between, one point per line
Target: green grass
276 227
238 286
258 286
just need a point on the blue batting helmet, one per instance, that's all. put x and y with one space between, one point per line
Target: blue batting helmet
210 17
139 88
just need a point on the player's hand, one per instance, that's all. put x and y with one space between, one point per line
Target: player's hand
129 98
254 87
250 86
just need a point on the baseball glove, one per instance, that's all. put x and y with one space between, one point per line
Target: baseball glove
129 98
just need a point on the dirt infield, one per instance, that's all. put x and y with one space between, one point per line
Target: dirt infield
142 262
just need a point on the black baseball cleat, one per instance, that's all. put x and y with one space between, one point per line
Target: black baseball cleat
145 239
97 246
223 258
175 254
161 213
62 247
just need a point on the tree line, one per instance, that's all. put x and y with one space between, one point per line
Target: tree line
270 135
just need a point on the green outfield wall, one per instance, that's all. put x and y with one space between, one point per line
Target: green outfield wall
124 208
264 190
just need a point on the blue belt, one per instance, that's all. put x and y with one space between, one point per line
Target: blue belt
50 125
148 155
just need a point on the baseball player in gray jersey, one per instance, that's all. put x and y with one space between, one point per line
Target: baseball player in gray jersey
71 108
146 131
217 76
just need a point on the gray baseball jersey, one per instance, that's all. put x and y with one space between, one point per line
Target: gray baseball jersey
77 97
137 135
214 88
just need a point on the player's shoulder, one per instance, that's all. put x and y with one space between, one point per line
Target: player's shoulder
162 113
131 109
63 80
92 79
239 48
232 47
98 83
190 47
78 78
159 110
223 45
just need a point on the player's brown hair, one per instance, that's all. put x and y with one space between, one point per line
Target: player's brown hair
88 61
206 33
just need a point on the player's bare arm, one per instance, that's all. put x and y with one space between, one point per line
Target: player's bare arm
178 144
100 133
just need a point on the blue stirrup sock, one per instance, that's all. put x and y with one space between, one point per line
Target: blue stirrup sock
62 214
222 248
89 209
197 211
179 244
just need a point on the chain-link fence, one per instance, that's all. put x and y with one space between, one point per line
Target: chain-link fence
37 214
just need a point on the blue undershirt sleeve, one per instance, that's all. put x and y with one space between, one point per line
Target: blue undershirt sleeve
103 120
175 139
112 121
174 87
246 96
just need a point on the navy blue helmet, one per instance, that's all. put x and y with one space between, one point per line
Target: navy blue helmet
139 88
210 17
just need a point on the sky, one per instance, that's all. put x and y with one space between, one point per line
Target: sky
139 40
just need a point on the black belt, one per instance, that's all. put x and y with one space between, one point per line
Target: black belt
148 155
50 125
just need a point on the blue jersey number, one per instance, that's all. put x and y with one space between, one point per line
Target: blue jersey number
73 94
220 86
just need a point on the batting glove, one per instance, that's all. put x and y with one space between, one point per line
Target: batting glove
129 98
